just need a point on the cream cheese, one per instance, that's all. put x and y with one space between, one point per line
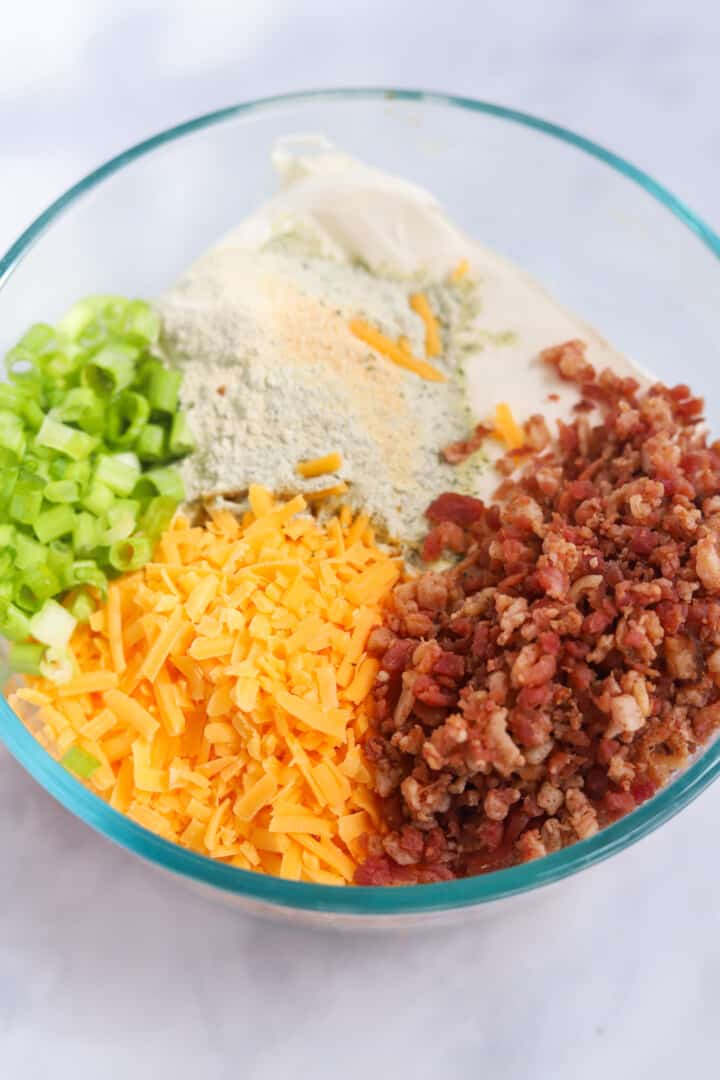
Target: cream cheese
273 375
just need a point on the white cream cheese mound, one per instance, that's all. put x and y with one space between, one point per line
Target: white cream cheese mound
272 373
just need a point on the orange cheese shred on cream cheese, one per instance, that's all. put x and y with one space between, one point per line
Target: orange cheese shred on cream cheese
393 351
507 428
459 272
421 306
223 689
330 463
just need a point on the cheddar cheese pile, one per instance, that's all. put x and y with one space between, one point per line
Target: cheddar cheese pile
219 695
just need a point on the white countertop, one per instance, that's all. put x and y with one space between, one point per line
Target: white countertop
110 970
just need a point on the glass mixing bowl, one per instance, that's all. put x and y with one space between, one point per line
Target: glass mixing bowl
602 236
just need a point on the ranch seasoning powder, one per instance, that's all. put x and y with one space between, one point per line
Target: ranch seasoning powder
273 375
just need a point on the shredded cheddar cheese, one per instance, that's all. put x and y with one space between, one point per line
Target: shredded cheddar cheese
326 493
460 271
421 306
507 428
319 466
222 689
389 348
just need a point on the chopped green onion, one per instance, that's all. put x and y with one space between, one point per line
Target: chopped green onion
159 514
83 407
87 572
111 308
59 558
7 561
111 369
32 414
76 403
117 472
14 623
121 519
140 323
36 586
86 534
60 366
129 457
81 606
54 523
62 491
79 471
25 657
8 459
57 665
131 554
27 499
39 461
150 444
67 440
167 481
52 625
125 506
163 386
21 370
80 762
77 394
181 439
25 598
98 498
28 552
11 399
8 479
39 339
58 467
126 418
78 318
12 433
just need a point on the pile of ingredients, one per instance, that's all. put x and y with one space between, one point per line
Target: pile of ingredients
354 558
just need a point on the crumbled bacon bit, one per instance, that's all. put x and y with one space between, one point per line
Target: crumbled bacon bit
445 536
460 451
459 509
569 663
537 433
569 359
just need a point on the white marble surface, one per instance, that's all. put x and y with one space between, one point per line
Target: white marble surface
108 970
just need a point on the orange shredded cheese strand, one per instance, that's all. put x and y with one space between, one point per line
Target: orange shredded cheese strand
421 306
260 499
115 629
231 724
460 271
91 682
259 795
131 712
326 493
386 347
330 463
158 654
291 865
507 429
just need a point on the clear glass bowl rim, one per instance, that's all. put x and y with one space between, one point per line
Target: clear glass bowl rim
360 901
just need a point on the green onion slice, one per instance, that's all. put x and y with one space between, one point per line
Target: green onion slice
79 761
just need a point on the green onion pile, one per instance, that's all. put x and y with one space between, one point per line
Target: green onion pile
89 423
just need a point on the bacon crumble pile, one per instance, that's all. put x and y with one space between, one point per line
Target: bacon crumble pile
569 663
